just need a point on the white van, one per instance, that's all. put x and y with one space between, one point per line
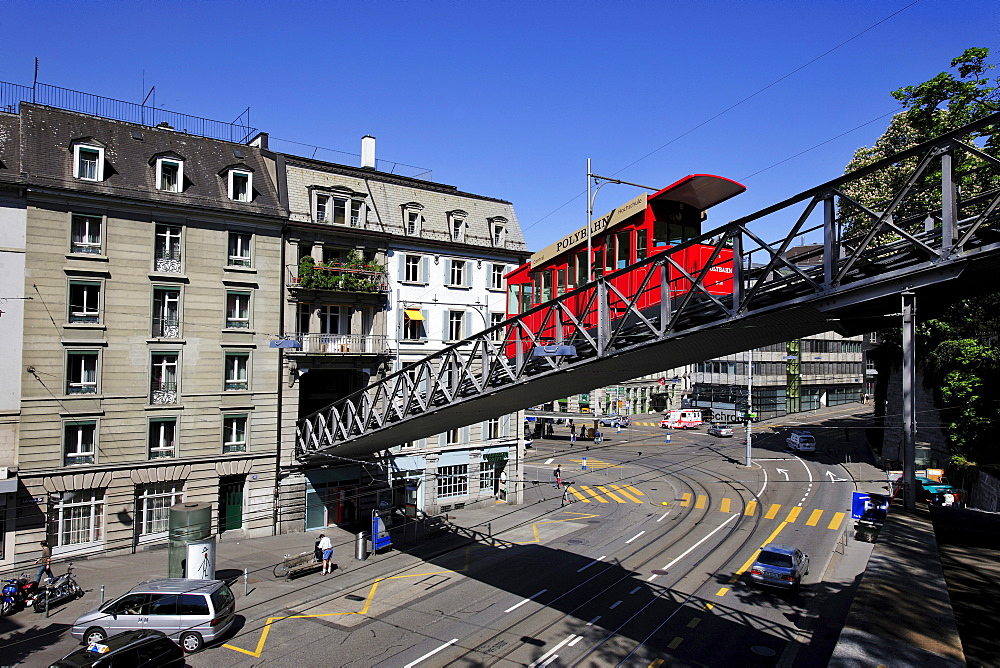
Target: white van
801 441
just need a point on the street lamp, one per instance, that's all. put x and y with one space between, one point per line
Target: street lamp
591 196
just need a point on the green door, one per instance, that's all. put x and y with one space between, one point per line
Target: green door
231 503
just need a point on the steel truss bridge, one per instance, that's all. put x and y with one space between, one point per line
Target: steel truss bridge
937 241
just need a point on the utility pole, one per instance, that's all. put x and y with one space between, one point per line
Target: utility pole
909 405
749 413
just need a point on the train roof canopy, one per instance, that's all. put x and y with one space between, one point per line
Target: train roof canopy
700 191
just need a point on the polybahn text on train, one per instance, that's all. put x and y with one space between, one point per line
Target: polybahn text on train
642 227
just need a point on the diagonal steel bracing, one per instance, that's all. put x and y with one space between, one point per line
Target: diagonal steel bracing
939 244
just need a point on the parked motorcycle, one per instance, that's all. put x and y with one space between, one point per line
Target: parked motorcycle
16 593
53 592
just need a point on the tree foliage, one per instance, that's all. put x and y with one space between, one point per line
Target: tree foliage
963 362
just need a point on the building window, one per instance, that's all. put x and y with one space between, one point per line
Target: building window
240 185
496 276
303 313
356 212
322 208
237 371
153 506
88 162
458 229
239 249
166 313
453 481
339 210
79 442
499 232
81 372
237 310
163 379
453 437
163 438
329 319
169 175
167 250
457 273
412 219
413 325
411 273
84 302
455 320
79 517
85 234
497 319
493 428
234 433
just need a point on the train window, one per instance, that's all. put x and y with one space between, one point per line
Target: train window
582 268
546 289
536 283
598 263
609 253
513 297
641 245
560 281
526 297
624 248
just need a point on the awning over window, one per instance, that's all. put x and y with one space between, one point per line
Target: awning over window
413 314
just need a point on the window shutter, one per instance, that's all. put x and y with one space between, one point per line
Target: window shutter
425 270
400 323
402 267
467 325
505 425
447 271
442 440
468 273
423 325
465 434
445 334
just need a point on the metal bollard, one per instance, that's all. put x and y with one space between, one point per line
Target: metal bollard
246 578
102 597
361 546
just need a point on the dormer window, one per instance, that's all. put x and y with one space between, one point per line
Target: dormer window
413 219
169 174
240 184
498 229
456 223
338 205
88 160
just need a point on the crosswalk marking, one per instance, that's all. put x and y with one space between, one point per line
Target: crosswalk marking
724 506
835 522
579 497
624 493
700 503
686 499
607 492
751 508
814 518
593 493
634 490
772 511
793 514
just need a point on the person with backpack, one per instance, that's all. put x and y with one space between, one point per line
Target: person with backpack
557 474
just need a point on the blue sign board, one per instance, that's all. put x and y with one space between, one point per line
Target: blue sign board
380 534
868 507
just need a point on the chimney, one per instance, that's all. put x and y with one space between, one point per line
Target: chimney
368 152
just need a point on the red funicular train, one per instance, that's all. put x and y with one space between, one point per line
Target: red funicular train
636 230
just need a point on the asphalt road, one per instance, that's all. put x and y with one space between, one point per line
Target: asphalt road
645 567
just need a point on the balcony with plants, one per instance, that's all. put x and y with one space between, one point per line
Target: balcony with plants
354 274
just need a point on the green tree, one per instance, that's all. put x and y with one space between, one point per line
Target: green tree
963 362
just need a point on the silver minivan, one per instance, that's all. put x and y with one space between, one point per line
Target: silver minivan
191 612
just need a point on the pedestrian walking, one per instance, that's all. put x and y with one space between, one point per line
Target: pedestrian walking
549 430
326 546
45 560
557 474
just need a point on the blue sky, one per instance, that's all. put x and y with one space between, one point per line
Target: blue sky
509 98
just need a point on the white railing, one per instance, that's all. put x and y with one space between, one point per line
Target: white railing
340 344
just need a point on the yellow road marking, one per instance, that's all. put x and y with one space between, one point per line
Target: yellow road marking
634 490
793 514
695 621
686 499
656 664
626 494
702 500
581 497
835 522
596 464
724 506
593 494
675 642
772 511
605 490
751 508
709 606
814 518
722 592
